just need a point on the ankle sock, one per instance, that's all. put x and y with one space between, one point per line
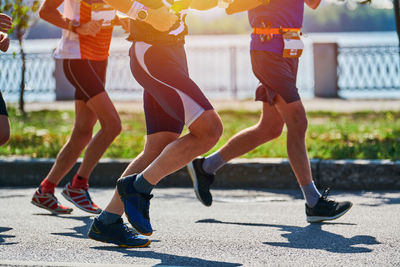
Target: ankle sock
80 182
213 163
142 185
47 187
108 217
311 194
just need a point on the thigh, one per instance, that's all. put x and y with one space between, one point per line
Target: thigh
277 75
155 143
157 119
292 113
162 71
87 76
3 108
271 116
4 127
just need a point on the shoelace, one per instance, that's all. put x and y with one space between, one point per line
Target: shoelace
127 231
88 197
54 197
325 195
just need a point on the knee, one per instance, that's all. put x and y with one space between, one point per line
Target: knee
298 125
112 128
213 133
81 137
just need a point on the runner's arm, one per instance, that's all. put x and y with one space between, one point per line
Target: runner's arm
125 5
160 18
48 11
242 5
312 3
203 4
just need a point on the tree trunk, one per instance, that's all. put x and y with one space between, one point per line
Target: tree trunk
22 85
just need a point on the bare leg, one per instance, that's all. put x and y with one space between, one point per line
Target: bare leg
110 122
295 118
81 134
4 129
155 144
268 128
204 134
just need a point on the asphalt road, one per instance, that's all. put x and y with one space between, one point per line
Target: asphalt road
243 227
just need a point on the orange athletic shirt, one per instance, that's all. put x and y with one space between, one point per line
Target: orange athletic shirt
77 46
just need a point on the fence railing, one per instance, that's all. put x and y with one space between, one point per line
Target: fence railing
363 68
222 72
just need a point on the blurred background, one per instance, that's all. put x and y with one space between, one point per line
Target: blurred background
348 78
351 52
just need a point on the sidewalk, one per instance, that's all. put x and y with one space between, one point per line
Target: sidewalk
315 104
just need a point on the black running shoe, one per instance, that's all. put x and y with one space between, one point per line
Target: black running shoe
116 233
327 209
136 205
201 181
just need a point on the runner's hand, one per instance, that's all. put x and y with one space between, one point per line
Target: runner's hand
90 28
4 42
124 21
161 19
5 23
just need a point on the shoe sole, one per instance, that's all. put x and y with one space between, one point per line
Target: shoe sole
120 245
79 207
193 177
132 222
46 208
315 219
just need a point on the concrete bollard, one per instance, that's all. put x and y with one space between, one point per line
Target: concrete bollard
325 70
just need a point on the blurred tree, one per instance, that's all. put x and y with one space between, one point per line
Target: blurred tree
23 15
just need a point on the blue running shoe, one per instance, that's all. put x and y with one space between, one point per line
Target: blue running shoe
116 233
136 205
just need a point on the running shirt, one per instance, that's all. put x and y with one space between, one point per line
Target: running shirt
75 46
278 13
142 31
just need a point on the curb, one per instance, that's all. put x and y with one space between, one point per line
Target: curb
240 173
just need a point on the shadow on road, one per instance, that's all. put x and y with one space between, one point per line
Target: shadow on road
13 196
167 259
379 199
3 237
79 231
313 237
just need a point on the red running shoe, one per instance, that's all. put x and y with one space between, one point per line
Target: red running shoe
80 198
49 202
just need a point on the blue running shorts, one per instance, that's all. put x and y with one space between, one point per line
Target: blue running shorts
171 98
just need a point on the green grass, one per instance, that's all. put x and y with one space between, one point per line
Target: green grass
360 135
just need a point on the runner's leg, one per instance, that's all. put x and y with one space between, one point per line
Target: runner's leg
204 134
155 144
295 118
102 106
268 128
4 129
81 135
4 122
